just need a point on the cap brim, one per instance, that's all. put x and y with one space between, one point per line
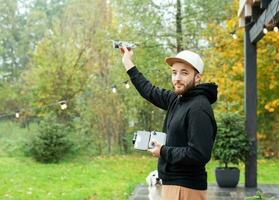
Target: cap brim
171 60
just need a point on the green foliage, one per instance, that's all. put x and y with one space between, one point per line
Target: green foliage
225 65
13 138
231 144
52 142
61 50
67 48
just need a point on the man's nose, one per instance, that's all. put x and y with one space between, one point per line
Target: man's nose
177 77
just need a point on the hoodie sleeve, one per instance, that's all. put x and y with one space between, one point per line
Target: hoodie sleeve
201 134
157 96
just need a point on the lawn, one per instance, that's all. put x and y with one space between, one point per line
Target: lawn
108 178
98 178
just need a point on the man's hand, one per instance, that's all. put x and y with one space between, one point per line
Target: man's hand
156 150
127 58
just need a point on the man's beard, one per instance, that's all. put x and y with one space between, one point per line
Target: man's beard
183 90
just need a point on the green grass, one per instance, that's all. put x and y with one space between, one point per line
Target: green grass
100 178
110 177
267 171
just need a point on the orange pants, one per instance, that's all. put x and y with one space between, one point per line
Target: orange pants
174 192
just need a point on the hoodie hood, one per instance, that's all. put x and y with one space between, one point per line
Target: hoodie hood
207 89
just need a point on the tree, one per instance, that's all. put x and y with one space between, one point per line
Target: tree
225 67
13 46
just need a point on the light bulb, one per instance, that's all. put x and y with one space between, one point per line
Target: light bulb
114 89
63 105
233 34
265 31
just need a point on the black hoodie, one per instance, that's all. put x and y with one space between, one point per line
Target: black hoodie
190 126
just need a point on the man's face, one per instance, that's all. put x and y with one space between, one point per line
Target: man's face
183 77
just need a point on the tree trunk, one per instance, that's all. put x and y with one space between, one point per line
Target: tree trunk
179 39
109 134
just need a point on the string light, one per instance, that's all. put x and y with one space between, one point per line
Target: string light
114 90
17 115
114 87
233 34
63 105
265 31
126 84
265 28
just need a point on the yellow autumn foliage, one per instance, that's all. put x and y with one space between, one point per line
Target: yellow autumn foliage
225 66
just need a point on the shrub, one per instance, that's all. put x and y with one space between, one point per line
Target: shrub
52 142
231 144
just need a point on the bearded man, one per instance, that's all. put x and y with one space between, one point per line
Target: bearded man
190 124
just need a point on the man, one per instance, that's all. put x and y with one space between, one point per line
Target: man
190 124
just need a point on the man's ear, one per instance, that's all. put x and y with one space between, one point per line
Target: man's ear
197 78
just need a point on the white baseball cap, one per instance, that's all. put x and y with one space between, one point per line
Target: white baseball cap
187 57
